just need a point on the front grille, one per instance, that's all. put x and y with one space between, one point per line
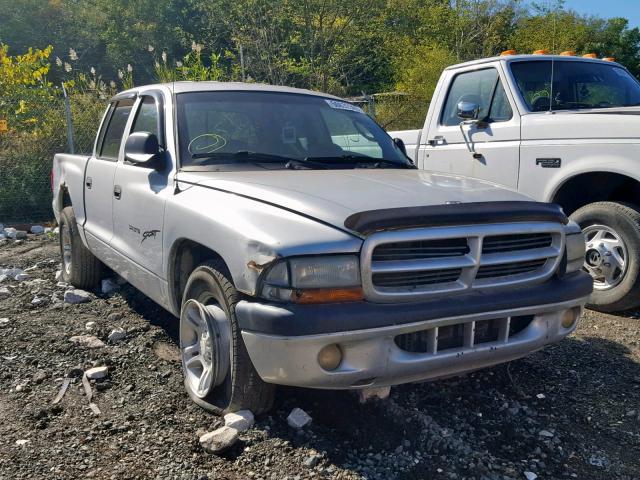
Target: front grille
462 335
409 264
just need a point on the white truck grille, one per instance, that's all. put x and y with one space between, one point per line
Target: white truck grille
418 263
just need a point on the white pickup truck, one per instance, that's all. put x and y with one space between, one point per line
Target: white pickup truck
560 129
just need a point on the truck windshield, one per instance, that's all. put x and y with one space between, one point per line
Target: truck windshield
305 131
576 85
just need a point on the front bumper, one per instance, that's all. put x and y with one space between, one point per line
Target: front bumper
283 341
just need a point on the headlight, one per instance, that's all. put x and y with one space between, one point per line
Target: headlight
313 279
575 248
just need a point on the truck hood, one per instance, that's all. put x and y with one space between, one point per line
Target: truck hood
333 195
602 124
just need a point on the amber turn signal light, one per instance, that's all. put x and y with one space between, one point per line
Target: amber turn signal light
328 295
542 51
568 53
590 55
507 52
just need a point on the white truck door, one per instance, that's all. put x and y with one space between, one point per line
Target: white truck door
445 148
99 174
141 193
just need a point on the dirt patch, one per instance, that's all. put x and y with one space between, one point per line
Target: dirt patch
569 411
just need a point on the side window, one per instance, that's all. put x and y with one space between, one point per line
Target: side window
482 87
147 118
500 109
113 135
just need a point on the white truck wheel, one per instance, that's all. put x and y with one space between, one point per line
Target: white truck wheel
612 235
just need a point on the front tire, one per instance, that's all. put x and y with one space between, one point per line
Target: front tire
612 234
218 373
80 267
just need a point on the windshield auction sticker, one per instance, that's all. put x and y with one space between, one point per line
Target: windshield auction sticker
343 105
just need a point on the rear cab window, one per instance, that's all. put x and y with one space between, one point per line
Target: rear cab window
482 87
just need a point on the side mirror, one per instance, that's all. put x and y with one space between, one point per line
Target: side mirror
468 110
142 148
400 144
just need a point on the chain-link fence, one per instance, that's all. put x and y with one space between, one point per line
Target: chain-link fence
32 135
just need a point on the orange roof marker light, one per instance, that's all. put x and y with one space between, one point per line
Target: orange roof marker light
568 53
609 59
508 52
590 55
542 51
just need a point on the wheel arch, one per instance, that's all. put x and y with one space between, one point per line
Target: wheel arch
185 256
583 188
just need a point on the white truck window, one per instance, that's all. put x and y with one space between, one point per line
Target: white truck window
576 85
482 87
115 130
147 118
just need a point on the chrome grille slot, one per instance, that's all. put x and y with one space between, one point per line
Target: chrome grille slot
507 269
405 265
417 279
461 336
511 243
452 247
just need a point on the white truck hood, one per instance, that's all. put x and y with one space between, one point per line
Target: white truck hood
333 195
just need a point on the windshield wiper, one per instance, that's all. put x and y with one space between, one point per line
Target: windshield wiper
358 160
245 156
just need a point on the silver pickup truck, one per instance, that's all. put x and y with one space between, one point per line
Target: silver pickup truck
300 246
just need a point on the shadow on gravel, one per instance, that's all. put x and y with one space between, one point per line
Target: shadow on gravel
155 314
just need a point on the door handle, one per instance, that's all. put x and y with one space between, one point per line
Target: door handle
437 140
89 183
117 192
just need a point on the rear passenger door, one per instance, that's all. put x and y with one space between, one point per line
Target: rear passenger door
498 142
99 176
138 208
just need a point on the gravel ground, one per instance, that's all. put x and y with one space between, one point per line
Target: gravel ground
569 411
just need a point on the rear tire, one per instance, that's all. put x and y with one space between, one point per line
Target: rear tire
235 383
612 232
80 267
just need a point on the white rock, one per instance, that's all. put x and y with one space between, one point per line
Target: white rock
541 396
21 442
56 231
77 296
21 277
108 286
298 418
10 232
366 394
90 326
545 433
87 341
62 284
37 301
48 229
530 475
11 272
3 277
242 420
96 373
219 440
58 274
4 292
37 229
4 321
116 335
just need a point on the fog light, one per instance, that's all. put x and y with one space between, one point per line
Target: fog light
330 357
569 317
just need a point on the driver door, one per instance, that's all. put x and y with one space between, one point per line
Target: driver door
497 142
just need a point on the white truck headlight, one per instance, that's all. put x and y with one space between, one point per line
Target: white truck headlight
575 247
321 279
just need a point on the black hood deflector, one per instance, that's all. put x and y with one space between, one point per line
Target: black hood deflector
454 214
